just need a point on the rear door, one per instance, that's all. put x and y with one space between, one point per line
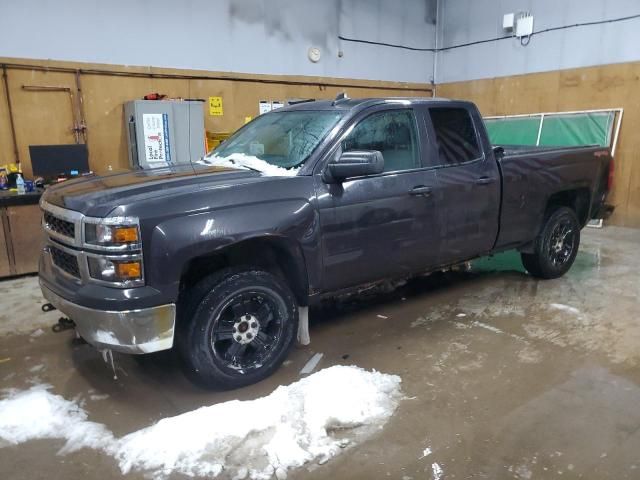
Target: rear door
468 188
381 225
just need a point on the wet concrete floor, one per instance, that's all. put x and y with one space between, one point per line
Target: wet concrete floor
501 379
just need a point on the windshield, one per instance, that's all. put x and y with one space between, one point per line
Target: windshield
276 143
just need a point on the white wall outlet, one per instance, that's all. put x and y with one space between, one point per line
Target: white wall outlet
524 26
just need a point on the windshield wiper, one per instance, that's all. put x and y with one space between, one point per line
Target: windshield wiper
241 165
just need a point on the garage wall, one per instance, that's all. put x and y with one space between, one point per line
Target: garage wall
587 88
466 21
100 91
572 69
251 36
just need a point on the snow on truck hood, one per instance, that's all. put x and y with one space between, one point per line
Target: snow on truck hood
292 426
249 162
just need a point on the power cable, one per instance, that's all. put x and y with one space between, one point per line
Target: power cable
488 40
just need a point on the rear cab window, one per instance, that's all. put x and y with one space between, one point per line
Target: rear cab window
456 140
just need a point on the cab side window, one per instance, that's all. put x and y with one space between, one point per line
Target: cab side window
393 133
455 135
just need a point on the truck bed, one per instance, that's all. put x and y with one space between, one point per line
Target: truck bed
531 175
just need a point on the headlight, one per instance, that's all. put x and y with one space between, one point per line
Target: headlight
116 233
126 270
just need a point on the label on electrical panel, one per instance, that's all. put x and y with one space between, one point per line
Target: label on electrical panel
264 106
157 147
215 106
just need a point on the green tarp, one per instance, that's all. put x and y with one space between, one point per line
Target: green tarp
558 130
513 131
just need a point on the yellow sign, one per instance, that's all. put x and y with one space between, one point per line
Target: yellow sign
247 120
215 106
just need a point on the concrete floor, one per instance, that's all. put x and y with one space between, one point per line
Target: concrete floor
500 383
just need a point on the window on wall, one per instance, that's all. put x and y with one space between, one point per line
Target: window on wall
393 133
455 135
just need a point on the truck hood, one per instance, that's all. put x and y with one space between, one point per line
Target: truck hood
98 195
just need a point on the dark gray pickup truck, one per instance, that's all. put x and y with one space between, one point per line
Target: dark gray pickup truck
222 258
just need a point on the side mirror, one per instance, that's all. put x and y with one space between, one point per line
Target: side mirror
498 151
357 163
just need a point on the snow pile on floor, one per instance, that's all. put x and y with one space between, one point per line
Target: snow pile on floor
292 426
299 423
37 413
240 160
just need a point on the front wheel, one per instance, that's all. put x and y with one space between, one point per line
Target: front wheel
556 247
237 328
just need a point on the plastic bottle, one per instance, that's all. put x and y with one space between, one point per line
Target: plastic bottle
20 185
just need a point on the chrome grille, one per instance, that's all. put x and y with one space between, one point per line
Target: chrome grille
65 261
60 226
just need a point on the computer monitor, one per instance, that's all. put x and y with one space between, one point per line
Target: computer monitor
49 161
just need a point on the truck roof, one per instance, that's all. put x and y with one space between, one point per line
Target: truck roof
362 103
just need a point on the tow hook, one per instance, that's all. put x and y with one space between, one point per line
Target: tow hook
63 324
47 307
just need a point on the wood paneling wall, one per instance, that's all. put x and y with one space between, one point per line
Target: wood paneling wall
606 86
48 117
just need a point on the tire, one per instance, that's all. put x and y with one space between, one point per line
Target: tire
556 247
236 327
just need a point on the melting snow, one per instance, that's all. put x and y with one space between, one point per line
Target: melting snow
106 337
97 398
311 364
426 452
293 425
437 471
486 326
566 308
38 413
249 162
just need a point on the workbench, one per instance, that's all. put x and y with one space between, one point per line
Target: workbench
21 235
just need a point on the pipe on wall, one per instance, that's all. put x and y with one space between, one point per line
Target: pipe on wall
5 81
76 129
83 123
232 78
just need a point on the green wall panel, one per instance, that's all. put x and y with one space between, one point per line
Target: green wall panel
562 130
513 131
576 130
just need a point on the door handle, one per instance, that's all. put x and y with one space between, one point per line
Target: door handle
421 190
484 180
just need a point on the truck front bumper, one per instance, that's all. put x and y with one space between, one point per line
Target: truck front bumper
144 330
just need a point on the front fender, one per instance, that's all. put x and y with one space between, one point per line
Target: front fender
177 241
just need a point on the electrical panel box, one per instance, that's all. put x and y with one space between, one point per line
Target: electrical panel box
164 132
524 26
507 21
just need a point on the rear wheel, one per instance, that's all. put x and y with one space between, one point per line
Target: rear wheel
556 247
237 327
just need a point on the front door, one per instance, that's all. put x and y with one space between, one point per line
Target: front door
379 226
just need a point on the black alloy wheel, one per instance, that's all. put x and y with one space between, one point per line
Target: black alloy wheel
247 329
556 247
236 327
